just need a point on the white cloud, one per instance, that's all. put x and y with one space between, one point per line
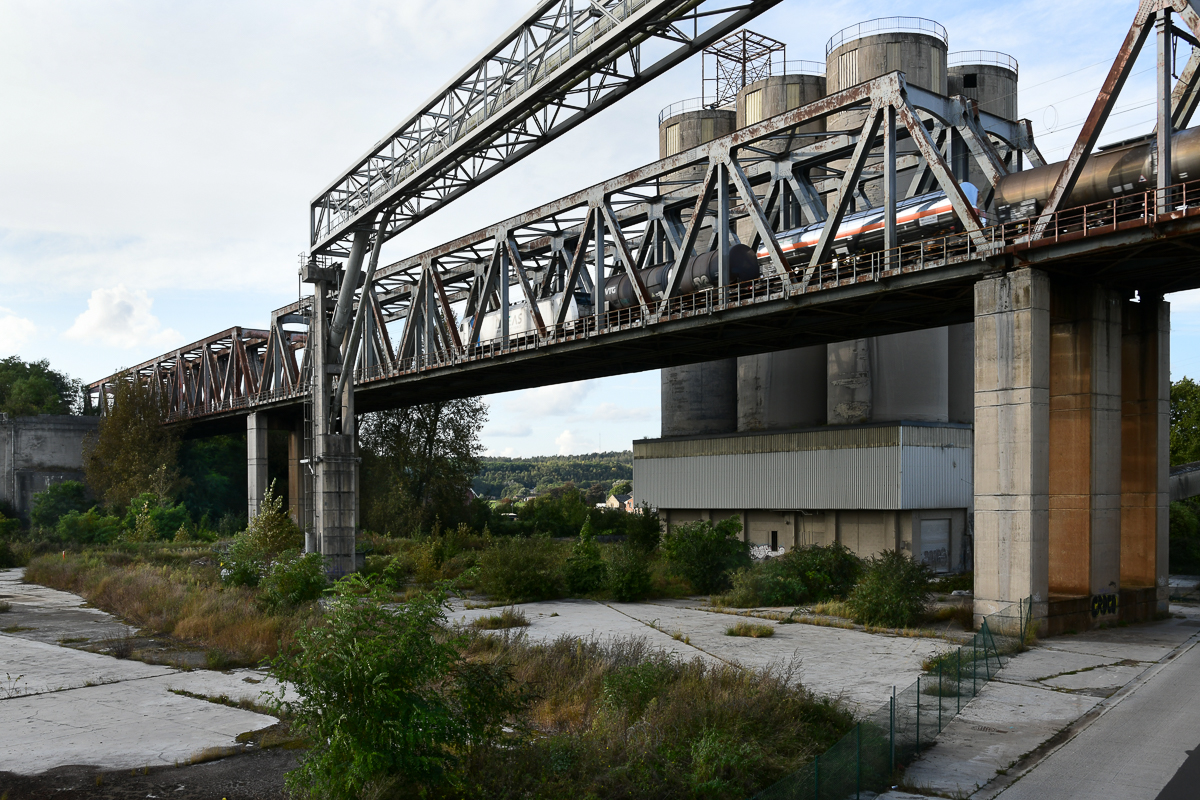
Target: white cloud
119 317
556 401
614 412
14 332
517 430
569 443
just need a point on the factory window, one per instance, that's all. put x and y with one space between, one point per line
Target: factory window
893 57
673 139
848 69
707 130
774 540
793 96
970 80
754 109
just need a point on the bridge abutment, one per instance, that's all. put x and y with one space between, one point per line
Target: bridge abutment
1071 403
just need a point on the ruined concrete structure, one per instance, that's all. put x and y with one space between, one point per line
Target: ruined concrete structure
38 452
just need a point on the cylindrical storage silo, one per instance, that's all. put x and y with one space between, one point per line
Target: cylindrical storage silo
912 45
780 390
990 79
700 399
696 399
801 84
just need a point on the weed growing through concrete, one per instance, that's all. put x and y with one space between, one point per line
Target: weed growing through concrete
508 618
5 606
16 629
750 629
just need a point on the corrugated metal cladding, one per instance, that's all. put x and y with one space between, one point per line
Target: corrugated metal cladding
931 470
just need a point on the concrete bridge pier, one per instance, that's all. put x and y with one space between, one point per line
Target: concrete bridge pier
1071 398
258 479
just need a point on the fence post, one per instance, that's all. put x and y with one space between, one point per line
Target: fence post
939 697
918 713
858 781
892 732
958 683
974 662
817 778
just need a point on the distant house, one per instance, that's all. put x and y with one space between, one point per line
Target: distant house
620 501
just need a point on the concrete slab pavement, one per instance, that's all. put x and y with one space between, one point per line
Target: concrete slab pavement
62 706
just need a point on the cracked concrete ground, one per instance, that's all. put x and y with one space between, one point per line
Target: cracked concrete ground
62 706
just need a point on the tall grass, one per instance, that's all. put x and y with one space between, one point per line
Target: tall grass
186 602
618 719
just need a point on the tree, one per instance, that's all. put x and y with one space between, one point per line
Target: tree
418 463
706 553
57 501
28 389
1185 421
133 451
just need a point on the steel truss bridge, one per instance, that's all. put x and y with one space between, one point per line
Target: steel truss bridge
417 328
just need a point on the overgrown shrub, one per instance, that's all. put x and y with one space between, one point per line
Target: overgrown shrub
585 570
90 527
8 558
442 555
810 574
58 500
894 591
1184 538
628 573
243 563
705 553
159 519
293 578
644 529
385 697
272 529
8 527
522 569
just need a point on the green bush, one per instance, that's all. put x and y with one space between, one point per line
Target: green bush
705 554
164 518
1184 539
585 571
522 569
293 578
8 527
8 558
628 573
243 563
894 591
810 574
385 698
91 527
272 529
643 529
58 500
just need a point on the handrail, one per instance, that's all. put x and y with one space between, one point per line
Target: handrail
992 58
872 27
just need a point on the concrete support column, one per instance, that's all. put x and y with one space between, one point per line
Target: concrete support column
1085 443
1012 419
1145 429
295 472
256 462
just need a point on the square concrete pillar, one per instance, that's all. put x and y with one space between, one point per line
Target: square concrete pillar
1085 446
295 472
335 505
1145 457
1012 481
256 462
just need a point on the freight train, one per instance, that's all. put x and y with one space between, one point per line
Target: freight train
1122 169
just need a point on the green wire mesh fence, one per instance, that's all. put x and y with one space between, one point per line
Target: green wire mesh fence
866 759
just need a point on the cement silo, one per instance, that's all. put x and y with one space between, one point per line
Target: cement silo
990 79
785 389
696 399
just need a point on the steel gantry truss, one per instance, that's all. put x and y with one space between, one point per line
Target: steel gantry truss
562 63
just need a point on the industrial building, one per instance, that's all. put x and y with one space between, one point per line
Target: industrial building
865 442
38 452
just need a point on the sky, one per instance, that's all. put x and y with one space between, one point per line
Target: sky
157 161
